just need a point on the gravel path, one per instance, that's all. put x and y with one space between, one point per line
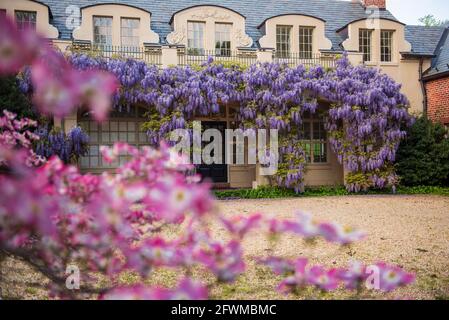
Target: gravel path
410 231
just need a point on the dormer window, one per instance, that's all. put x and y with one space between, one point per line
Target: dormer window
130 28
223 39
283 41
306 42
386 45
102 31
365 40
195 37
26 20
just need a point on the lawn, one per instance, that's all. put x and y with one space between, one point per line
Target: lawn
411 231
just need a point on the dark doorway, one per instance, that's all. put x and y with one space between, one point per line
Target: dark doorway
217 173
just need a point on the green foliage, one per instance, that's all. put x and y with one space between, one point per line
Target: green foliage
423 158
277 192
430 21
13 100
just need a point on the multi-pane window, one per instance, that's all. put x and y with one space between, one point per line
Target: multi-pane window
26 20
386 46
305 42
283 37
130 29
314 139
103 31
2 13
195 37
365 44
223 39
121 126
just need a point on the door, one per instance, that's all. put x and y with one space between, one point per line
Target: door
217 173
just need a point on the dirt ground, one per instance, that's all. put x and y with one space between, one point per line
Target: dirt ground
410 231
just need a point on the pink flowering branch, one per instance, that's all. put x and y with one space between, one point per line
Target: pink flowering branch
106 224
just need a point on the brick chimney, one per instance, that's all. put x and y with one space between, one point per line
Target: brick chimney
381 4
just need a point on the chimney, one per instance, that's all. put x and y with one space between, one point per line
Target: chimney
381 4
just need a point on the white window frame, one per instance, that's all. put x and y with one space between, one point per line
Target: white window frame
283 41
386 45
199 43
366 44
128 32
107 35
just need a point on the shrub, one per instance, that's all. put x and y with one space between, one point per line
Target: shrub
423 158
12 99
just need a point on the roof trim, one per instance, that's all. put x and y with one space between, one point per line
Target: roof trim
204 5
436 76
417 55
50 14
289 14
115 4
367 18
440 45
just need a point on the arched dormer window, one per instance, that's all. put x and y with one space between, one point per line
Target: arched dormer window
30 14
115 25
209 28
294 34
380 41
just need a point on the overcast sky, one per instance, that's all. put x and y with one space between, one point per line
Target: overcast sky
409 11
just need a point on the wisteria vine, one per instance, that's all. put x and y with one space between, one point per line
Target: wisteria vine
364 109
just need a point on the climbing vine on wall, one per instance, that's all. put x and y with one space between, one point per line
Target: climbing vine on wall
364 118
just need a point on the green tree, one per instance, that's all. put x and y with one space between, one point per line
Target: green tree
12 99
430 21
423 158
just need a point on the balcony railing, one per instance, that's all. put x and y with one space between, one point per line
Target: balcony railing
307 60
153 54
149 54
198 56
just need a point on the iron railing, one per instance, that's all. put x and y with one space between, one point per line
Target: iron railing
197 57
149 54
305 59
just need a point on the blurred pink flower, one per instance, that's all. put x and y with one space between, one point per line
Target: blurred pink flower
241 225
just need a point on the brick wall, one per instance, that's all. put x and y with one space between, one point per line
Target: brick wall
438 100
382 4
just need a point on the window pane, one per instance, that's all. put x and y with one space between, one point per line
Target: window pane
283 41
306 134
26 20
223 39
320 153
130 32
103 31
305 42
365 44
386 46
195 37
319 132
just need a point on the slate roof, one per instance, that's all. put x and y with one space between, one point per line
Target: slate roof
336 13
440 64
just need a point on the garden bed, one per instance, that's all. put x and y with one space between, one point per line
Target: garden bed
276 192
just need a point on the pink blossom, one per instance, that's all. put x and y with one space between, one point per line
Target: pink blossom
17 49
186 290
226 262
326 280
95 89
392 277
241 225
